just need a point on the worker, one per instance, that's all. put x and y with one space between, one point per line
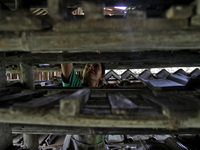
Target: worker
93 75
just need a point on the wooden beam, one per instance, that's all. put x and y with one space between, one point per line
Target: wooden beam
71 105
5 129
27 75
130 24
42 104
100 41
19 20
120 104
2 70
31 141
20 97
117 60
42 129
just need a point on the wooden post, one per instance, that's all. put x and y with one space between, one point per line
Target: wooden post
179 12
31 141
93 10
5 135
27 75
5 129
58 10
71 105
27 80
195 21
2 70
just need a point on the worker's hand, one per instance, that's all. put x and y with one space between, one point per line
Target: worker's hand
109 86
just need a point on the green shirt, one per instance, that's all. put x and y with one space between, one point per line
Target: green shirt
73 80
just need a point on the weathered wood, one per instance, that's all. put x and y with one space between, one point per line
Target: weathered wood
27 75
137 121
174 106
95 92
129 24
179 11
100 41
45 102
2 70
120 104
31 141
71 105
6 136
5 129
9 99
19 20
10 90
96 110
47 129
120 60
195 21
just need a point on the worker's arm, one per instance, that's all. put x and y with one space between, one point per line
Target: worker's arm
66 70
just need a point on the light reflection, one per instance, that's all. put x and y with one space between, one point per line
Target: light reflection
120 7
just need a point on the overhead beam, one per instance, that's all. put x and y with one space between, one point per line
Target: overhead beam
100 41
41 129
131 24
117 60
19 20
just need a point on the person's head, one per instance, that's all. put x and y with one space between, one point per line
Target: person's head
94 73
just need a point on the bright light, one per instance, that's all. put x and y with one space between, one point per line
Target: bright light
109 9
121 7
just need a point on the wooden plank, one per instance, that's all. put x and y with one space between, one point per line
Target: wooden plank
47 129
95 92
9 99
120 104
19 20
10 90
96 110
137 121
45 102
3 91
128 24
71 105
121 60
174 106
100 41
